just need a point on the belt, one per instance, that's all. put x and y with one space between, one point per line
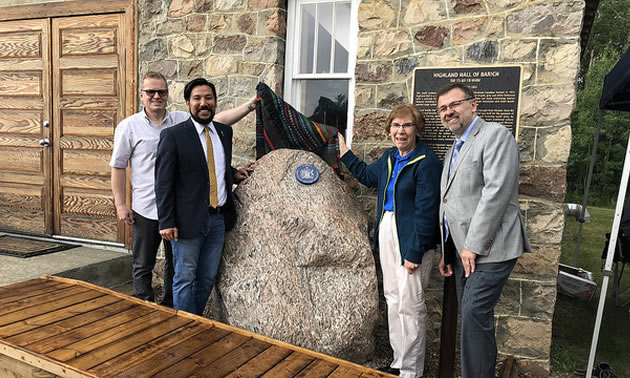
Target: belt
217 210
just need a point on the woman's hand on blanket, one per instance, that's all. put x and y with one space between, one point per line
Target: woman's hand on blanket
343 148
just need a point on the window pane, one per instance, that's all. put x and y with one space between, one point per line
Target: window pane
324 37
307 39
342 37
325 101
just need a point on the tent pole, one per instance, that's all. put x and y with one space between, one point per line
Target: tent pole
588 186
609 257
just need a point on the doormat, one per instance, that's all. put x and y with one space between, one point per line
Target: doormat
19 247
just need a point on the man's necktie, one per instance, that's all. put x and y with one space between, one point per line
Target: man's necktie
214 196
458 147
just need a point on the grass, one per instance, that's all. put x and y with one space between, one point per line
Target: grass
574 321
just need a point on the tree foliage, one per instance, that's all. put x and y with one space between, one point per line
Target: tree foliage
609 39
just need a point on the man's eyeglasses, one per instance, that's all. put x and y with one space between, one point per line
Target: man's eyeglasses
453 104
404 125
152 92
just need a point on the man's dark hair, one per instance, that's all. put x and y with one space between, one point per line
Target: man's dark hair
195 83
449 87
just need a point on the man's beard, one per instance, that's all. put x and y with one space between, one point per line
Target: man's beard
203 121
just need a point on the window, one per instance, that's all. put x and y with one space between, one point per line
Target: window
320 60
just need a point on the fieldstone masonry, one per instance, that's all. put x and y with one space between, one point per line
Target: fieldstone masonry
233 43
236 43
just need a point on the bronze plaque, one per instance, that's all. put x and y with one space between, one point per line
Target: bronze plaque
497 90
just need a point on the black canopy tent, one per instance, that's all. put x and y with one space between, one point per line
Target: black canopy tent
615 96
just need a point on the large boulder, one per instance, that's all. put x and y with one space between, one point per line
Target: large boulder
298 265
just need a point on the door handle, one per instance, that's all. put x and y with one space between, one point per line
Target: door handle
44 142
46 124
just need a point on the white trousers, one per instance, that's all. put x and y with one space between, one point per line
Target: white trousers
406 307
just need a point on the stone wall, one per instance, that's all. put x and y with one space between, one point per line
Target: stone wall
396 36
236 43
233 43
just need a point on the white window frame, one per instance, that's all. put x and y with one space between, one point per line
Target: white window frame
291 69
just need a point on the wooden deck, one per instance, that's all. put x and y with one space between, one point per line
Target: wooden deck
71 328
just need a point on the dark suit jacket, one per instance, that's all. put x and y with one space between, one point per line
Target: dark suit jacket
182 186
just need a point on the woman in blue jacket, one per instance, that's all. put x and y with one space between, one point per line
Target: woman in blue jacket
408 180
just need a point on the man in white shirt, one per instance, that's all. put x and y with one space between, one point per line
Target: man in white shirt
135 144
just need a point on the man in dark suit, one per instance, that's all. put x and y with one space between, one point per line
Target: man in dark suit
193 188
482 230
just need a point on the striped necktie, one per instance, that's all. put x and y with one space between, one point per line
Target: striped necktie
458 147
214 196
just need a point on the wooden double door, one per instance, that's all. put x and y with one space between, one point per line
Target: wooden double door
62 93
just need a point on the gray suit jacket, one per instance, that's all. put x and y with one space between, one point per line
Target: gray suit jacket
480 199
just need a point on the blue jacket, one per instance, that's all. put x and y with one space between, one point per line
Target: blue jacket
418 183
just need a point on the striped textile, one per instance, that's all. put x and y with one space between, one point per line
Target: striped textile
279 125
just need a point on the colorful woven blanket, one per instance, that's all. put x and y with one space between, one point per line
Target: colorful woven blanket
279 125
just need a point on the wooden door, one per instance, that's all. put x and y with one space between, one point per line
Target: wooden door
25 165
88 63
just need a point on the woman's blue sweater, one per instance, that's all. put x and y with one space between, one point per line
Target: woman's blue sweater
416 199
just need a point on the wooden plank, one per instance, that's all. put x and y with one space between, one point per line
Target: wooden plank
130 342
88 143
205 356
98 41
30 291
89 227
88 103
233 360
100 21
77 334
22 196
21 83
21 103
350 365
344 372
25 288
84 82
86 182
9 140
55 367
21 220
10 367
22 159
374 374
86 162
20 26
82 202
169 357
100 123
20 44
57 328
37 305
258 365
88 61
22 64
290 366
318 368
65 8
119 332
55 316
148 353
25 122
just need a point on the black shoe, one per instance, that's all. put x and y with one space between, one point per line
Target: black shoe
389 370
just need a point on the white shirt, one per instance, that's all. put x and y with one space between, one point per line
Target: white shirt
219 157
135 142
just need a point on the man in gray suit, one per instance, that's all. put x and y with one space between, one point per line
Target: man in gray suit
482 230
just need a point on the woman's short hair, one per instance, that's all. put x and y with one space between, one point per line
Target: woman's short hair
406 110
